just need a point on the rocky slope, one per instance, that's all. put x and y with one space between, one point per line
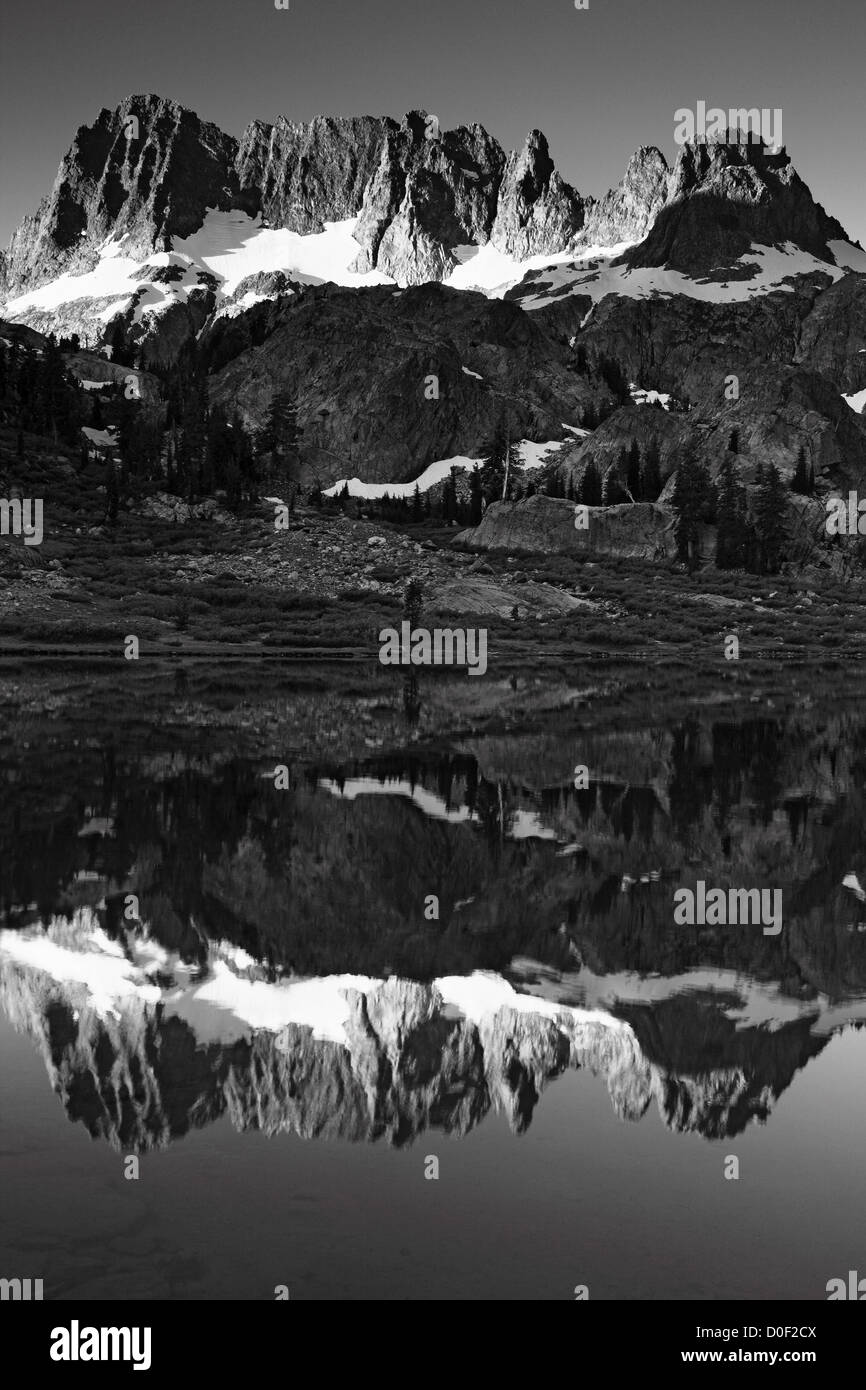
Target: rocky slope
477 355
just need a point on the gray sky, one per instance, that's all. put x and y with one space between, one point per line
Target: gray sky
599 82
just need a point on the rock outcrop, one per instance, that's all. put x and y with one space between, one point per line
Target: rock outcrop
720 198
144 172
387 384
546 525
537 212
628 211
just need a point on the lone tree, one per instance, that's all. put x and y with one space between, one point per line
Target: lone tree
691 496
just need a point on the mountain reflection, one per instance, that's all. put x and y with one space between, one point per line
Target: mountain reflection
183 939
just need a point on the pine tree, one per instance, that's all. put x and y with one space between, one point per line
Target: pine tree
770 508
731 536
118 343
590 485
803 480
612 490
417 510
651 478
690 497
493 461
476 497
633 472
449 498
734 441
283 437
554 486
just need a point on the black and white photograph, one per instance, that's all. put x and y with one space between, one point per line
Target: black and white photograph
432 669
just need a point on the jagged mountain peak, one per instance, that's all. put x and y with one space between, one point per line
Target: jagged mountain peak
724 195
405 201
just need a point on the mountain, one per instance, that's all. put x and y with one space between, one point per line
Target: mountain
420 204
145 1055
723 197
353 261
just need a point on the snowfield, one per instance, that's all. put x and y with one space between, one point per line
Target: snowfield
224 1005
530 455
769 264
232 246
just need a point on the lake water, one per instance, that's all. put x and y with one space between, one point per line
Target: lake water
424 1025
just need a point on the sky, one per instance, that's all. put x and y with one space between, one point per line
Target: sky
598 82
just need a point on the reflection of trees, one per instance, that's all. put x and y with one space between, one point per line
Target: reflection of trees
691 785
411 698
331 885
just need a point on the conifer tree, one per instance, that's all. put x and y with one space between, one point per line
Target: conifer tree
590 485
690 498
803 480
633 472
651 478
770 509
731 535
494 461
476 497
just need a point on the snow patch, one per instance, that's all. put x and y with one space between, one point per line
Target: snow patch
772 263
641 397
434 473
233 245
529 455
